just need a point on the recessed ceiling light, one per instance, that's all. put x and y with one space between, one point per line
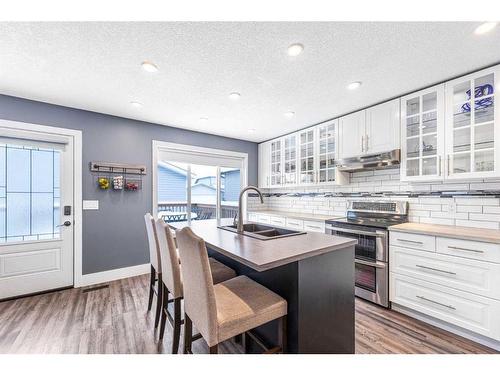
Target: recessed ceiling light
485 28
203 119
148 66
354 85
234 96
289 114
136 104
295 49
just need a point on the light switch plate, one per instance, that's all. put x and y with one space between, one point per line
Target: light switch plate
90 205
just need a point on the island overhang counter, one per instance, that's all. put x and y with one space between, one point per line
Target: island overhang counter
314 272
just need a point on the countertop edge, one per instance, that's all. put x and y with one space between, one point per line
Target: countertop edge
443 233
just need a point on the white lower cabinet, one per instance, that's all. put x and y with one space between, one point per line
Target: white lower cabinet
287 222
295 224
314 226
278 221
475 313
453 280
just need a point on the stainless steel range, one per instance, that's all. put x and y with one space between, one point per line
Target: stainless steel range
368 222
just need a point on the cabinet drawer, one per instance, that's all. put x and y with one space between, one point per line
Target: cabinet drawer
294 223
464 274
489 252
314 226
413 241
264 219
469 311
278 221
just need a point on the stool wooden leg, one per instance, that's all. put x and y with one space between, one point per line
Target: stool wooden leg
177 325
164 311
151 287
188 334
282 337
214 349
159 300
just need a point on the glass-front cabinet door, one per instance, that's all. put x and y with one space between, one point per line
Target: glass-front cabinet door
471 128
422 132
327 135
306 156
290 160
276 167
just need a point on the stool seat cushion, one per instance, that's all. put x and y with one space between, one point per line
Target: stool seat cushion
220 272
243 304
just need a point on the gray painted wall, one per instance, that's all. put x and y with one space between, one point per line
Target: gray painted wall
114 236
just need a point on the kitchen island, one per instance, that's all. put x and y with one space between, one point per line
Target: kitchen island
314 272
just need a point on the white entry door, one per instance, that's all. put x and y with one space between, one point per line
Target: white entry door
36 215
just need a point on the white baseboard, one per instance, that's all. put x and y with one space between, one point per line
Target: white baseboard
486 341
120 273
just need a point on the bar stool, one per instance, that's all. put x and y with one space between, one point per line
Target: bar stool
225 310
156 274
172 280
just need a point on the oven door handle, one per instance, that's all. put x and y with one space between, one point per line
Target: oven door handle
371 264
354 231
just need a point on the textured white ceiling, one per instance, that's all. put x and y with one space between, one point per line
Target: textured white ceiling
96 66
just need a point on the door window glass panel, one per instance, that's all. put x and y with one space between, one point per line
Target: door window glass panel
461 115
484 161
461 140
483 136
412 126
429 166
29 193
412 167
429 145
484 86
172 191
429 101
484 110
230 191
412 147
461 163
413 106
461 92
429 122
203 192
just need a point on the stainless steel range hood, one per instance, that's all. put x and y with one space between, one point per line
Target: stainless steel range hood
383 160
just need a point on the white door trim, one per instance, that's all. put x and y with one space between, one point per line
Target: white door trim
50 133
161 145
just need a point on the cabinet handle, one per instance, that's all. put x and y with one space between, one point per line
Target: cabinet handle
464 249
366 142
437 303
362 143
440 165
448 164
410 241
435 269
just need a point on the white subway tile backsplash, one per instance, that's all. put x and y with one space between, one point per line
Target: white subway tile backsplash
481 212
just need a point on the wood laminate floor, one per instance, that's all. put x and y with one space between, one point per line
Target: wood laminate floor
113 319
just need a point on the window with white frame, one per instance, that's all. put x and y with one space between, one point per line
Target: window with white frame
196 183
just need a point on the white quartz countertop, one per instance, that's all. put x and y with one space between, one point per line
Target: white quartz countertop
296 215
263 255
451 231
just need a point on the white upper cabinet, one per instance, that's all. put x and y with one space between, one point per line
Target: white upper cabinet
351 135
264 164
276 176
327 152
382 128
307 156
290 159
422 135
370 131
472 122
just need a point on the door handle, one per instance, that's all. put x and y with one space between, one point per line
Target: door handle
67 223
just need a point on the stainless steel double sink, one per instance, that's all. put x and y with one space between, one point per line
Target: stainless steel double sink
262 232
